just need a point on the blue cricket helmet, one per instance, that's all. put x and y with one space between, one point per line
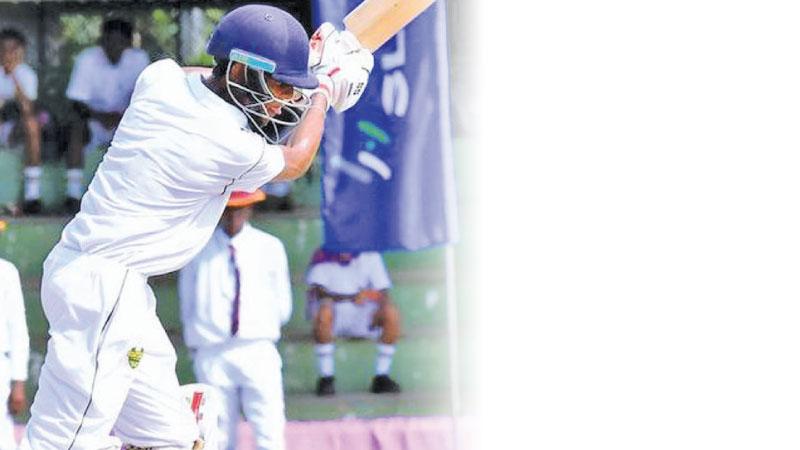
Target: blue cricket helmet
266 38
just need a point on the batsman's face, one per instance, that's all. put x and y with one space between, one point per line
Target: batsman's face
282 91
270 94
273 107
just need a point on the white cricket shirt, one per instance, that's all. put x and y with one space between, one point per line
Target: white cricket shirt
365 271
161 188
104 86
14 342
207 286
28 81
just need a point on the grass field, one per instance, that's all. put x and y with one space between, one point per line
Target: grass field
419 290
421 362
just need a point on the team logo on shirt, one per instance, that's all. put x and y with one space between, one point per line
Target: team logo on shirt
134 356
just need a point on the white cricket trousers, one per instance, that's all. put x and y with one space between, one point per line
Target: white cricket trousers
109 365
7 441
247 374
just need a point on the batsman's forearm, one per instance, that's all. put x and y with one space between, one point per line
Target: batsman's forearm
302 147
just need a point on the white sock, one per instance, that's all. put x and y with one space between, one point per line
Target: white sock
325 360
383 362
74 183
32 174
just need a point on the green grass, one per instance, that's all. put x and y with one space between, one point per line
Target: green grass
27 241
421 303
420 365
419 291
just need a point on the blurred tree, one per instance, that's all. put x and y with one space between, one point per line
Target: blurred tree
159 31
211 17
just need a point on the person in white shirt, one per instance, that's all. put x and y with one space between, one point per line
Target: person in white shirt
182 146
14 352
18 91
235 295
348 296
100 89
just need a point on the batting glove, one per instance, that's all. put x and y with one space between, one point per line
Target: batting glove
356 64
324 50
344 77
323 47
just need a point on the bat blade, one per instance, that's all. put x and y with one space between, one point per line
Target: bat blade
374 22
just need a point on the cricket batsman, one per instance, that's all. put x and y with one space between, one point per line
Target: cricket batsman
184 144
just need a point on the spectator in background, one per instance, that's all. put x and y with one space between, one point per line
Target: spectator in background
348 296
235 295
18 122
100 89
14 352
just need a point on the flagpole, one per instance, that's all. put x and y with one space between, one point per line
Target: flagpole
448 184
452 338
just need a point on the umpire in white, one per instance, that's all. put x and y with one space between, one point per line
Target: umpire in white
235 295
14 352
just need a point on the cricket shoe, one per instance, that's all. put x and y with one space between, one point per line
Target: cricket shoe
325 387
382 384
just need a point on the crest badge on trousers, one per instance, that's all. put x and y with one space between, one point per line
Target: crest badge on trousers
135 356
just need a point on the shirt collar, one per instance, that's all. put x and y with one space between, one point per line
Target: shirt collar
226 240
107 61
211 100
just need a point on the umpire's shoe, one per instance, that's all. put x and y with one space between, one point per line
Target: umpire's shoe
325 387
382 384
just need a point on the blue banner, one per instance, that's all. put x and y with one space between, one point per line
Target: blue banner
387 178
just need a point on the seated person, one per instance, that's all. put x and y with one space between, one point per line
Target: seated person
348 296
18 122
100 89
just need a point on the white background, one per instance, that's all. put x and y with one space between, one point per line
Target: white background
638 187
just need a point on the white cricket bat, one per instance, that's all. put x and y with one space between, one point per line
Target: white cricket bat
374 22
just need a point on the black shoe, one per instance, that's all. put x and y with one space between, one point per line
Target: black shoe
382 384
325 387
72 205
32 206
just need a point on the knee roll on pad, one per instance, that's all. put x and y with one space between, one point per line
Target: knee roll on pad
204 402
